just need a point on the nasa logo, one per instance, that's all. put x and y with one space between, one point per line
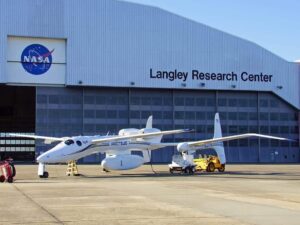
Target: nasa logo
36 59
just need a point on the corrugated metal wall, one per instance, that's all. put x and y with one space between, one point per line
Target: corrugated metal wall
112 43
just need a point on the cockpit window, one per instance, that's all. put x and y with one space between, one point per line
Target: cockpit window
78 143
69 142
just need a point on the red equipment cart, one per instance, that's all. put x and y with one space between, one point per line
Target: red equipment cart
7 171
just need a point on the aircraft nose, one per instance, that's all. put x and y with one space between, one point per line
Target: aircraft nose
41 158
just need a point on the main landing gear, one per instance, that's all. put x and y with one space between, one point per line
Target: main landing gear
41 171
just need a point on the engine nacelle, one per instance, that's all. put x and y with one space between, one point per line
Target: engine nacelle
122 162
183 147
129 131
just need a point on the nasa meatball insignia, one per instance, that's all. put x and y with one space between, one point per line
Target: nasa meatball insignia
169 75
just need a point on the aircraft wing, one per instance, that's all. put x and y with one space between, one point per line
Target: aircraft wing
234 137
48 140
221 139
117 138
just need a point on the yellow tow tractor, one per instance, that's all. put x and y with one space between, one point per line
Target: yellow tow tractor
209 164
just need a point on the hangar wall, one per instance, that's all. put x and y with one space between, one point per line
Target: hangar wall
116 43
90 111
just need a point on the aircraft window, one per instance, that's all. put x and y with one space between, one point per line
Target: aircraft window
78 143
69 142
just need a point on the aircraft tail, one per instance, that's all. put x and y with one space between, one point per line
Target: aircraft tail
219 147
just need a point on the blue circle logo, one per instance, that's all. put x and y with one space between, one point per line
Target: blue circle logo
36 59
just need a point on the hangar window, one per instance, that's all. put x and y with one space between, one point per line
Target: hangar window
112 100
101 114
111 114
168 115
89 113
252 116
243 103
274 129
145 101
41 99
252 103
100 100
53 99
123 114
264 129
200 116
179 115
294 129
122 100
156 101
232 102
190 115
135 114
189 102
65 99
284 116
284 143
243 129
284 129
89 128
135 101
232 116
222 102
223 116
232 129
76 100
264 116
210 129
224 129
263 103
200 102
293 116
179 101
157 114
274 116
89 100
168 101
274 103
210 102
243 116
210 115
200 129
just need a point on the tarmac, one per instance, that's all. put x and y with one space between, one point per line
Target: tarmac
243 194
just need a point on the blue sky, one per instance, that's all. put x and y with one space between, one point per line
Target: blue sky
273 24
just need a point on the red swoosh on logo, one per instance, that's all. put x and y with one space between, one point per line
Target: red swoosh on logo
48 53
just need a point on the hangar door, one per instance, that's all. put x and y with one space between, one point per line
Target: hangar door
17 115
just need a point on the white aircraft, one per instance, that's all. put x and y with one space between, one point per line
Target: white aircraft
118 148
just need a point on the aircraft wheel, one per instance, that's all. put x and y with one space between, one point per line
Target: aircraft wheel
10 179
191 170
222 168
45 175
171 171
210 167
2 178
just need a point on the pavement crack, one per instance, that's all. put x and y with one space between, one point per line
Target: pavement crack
38 205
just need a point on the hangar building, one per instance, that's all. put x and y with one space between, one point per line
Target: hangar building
73 67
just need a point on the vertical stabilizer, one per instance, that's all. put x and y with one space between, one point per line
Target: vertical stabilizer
219 147
149 122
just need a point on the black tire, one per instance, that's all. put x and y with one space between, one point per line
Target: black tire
222 168
191 170
211 167
13 169
2 178
45 175
10 179
171 171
